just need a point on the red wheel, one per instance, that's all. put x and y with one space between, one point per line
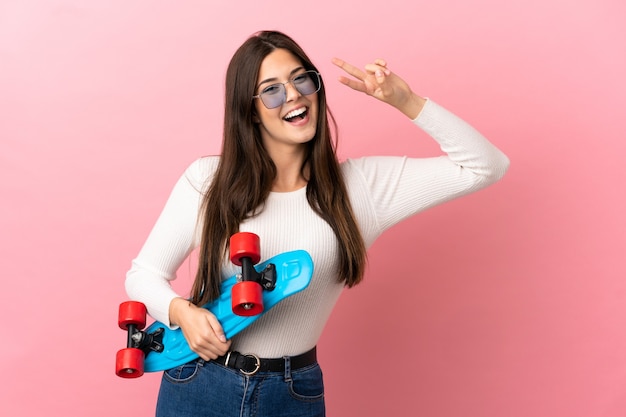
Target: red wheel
247 298
132 312
129 363
244 244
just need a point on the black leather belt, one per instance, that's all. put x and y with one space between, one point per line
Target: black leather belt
250 364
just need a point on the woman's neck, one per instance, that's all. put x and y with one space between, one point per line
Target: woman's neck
289 173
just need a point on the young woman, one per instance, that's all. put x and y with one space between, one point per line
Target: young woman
279 177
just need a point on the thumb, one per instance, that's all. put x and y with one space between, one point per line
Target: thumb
217 328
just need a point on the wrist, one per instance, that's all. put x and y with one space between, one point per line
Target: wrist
176 305
413 106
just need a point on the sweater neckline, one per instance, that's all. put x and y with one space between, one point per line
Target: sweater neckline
285 194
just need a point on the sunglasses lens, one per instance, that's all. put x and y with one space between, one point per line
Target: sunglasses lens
307 82
273 96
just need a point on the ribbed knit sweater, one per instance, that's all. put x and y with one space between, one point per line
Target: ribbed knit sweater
382 190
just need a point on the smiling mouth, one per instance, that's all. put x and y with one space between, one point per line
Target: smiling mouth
296 115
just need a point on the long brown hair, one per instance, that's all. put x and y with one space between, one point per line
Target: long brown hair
245 173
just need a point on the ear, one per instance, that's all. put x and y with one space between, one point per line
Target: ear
255 118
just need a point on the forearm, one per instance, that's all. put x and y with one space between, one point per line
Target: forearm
464 145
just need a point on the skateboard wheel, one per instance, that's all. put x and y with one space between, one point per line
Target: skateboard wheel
247 298
245 244
132 312
129 363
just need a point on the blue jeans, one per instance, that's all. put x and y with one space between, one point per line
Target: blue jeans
208 389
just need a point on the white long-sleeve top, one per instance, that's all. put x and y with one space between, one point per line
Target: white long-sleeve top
382 190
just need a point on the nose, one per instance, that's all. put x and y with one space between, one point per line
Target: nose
291 92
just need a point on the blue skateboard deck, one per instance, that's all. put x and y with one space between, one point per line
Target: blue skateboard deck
293 274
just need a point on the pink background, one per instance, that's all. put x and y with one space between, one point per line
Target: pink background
510 302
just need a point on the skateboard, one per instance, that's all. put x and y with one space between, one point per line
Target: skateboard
244 298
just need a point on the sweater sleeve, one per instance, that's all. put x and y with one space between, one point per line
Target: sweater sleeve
399 187
170 242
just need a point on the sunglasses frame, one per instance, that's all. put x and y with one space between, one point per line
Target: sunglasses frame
291 80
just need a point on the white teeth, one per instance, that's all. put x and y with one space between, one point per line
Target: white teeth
295 113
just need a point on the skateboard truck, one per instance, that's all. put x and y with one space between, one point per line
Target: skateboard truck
146 342
265 278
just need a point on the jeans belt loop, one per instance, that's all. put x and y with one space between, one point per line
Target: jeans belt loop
287 368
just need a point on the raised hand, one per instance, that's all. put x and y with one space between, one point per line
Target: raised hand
378 81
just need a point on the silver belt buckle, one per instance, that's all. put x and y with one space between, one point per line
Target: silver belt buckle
257 365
